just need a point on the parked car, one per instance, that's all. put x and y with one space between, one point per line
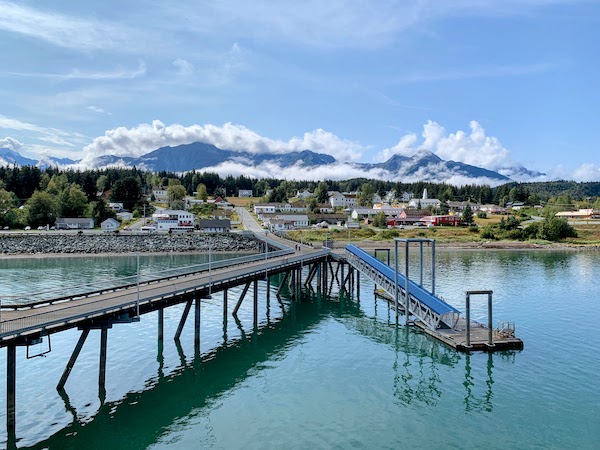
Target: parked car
40 228
6 228
27 228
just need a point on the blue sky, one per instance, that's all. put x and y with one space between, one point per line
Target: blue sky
491 83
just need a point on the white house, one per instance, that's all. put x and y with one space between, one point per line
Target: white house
175 220
281 222
125 215
343 199
407 196
110 224
160 194
460 206
245 193
116 207
295 207
424 202
305 193
260 209
74 223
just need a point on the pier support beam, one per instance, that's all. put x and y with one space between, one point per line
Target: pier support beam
319 277
255 317
71 363
239 303
285 277
197 310
11 393
161 324
186 311
102 371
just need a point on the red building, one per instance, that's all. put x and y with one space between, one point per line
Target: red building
439 221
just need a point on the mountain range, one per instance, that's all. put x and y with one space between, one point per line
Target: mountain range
424 165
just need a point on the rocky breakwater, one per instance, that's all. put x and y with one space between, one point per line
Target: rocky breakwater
160 243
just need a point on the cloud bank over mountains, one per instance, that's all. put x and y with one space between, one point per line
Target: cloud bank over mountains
473 147
144 138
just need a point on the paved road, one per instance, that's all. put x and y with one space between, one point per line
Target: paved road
248 221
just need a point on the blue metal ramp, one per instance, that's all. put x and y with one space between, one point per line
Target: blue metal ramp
427 307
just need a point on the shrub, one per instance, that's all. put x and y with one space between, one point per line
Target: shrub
488 233
481 214
389 234
551 229
474 229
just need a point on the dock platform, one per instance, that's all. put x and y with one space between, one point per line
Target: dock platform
431 313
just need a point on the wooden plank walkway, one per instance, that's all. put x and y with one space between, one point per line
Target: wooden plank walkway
44 319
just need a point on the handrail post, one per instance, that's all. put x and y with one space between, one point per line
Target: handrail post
468 319
490 331
433 266
406 289
396 278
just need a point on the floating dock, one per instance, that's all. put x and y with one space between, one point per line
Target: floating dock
429 312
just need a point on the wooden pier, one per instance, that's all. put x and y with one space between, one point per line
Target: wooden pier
35 320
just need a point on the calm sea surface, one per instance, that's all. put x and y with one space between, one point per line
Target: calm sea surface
325 373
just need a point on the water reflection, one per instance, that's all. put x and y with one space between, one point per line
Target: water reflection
137 420
483 402
418 359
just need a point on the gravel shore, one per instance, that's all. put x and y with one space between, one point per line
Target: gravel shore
111 243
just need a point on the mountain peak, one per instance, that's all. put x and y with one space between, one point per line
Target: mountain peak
424 155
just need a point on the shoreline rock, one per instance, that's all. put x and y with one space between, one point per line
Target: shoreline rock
102 243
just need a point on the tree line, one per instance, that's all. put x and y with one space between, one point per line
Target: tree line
32 196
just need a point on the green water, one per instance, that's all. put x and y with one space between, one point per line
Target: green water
335 373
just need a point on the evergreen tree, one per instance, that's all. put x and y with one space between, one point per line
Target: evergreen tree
467 215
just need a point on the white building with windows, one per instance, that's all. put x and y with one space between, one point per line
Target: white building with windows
282 222
160 193
173 220
343 199
424 202
245 193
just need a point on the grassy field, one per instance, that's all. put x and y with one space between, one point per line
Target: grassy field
587 235
243 201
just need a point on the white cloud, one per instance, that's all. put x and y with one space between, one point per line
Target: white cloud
144 138
48 135
119 73
474 147
587 172
10 143
64 30
96 109
405 146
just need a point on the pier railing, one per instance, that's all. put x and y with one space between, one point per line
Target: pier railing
124 298
113 284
